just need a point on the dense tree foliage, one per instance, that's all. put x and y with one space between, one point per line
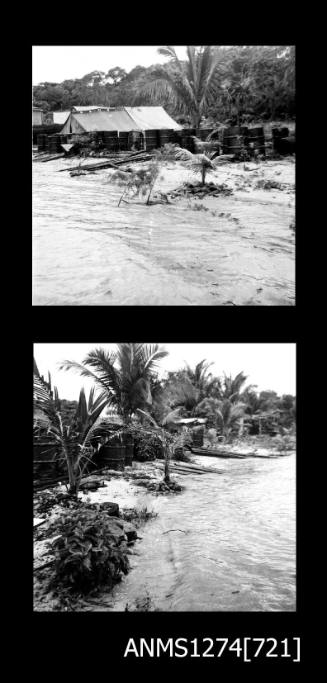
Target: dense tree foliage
219 84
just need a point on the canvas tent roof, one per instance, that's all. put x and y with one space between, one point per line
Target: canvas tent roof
99 121
60 116
152 118
123 120
89 107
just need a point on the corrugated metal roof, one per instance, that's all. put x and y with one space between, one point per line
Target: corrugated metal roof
105 120
152 118
60 116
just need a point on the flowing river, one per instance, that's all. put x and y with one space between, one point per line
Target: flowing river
226 543
229 250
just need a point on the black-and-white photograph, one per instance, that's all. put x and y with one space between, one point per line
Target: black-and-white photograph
164 175
164 477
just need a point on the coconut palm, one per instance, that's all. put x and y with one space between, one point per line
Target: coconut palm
198 163
123 375
74 440
232 386
189 86
223 413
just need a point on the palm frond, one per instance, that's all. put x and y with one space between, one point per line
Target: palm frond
168 51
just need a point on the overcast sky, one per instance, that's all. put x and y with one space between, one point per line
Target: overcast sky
270 366
57 63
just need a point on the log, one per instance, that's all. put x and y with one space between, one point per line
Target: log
52 158
106 164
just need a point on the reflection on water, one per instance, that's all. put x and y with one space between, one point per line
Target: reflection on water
227 543
88 251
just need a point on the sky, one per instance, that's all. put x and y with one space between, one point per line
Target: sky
56 63
269 366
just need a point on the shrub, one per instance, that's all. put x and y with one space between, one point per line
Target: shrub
148 447
91 550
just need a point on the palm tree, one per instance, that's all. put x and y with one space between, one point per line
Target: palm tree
232 386
124 375
74 440
189 86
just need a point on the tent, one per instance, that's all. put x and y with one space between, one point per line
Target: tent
122 120
152 118
60 116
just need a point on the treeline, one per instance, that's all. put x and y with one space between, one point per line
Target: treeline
246 83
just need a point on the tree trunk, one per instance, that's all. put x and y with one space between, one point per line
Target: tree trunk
203 174
166 470
73 484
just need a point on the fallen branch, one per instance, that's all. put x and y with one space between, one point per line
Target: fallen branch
167 532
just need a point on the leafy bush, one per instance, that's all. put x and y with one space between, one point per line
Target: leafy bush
90 550
147 445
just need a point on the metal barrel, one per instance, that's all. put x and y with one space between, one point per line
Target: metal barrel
40 142
202 133
255 139
232 140
187 140
165 136
123 141
129 448
54 143
45 462
152 139
197 436
112 454
110 140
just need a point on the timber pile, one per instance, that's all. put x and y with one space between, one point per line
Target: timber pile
113 162
181 467
217 454
42 159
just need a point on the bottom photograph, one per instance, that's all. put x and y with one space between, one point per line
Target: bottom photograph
164 477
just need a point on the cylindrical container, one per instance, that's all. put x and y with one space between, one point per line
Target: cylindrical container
187 141
54 143
45 461
165 136
123 141
129 449
40 142
112 454
232 140
152 139
197 436
255 139
110 140
202 133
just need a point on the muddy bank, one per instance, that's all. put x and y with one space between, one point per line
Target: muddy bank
120 496
226 250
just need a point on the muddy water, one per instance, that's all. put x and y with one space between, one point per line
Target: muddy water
87 251
227 543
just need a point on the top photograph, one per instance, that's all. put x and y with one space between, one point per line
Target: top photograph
163 175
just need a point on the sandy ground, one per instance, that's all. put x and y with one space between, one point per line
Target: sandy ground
236 250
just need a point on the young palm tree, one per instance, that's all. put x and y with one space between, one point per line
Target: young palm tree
191 85
73 439
124 375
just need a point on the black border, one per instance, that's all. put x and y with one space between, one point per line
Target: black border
102 642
